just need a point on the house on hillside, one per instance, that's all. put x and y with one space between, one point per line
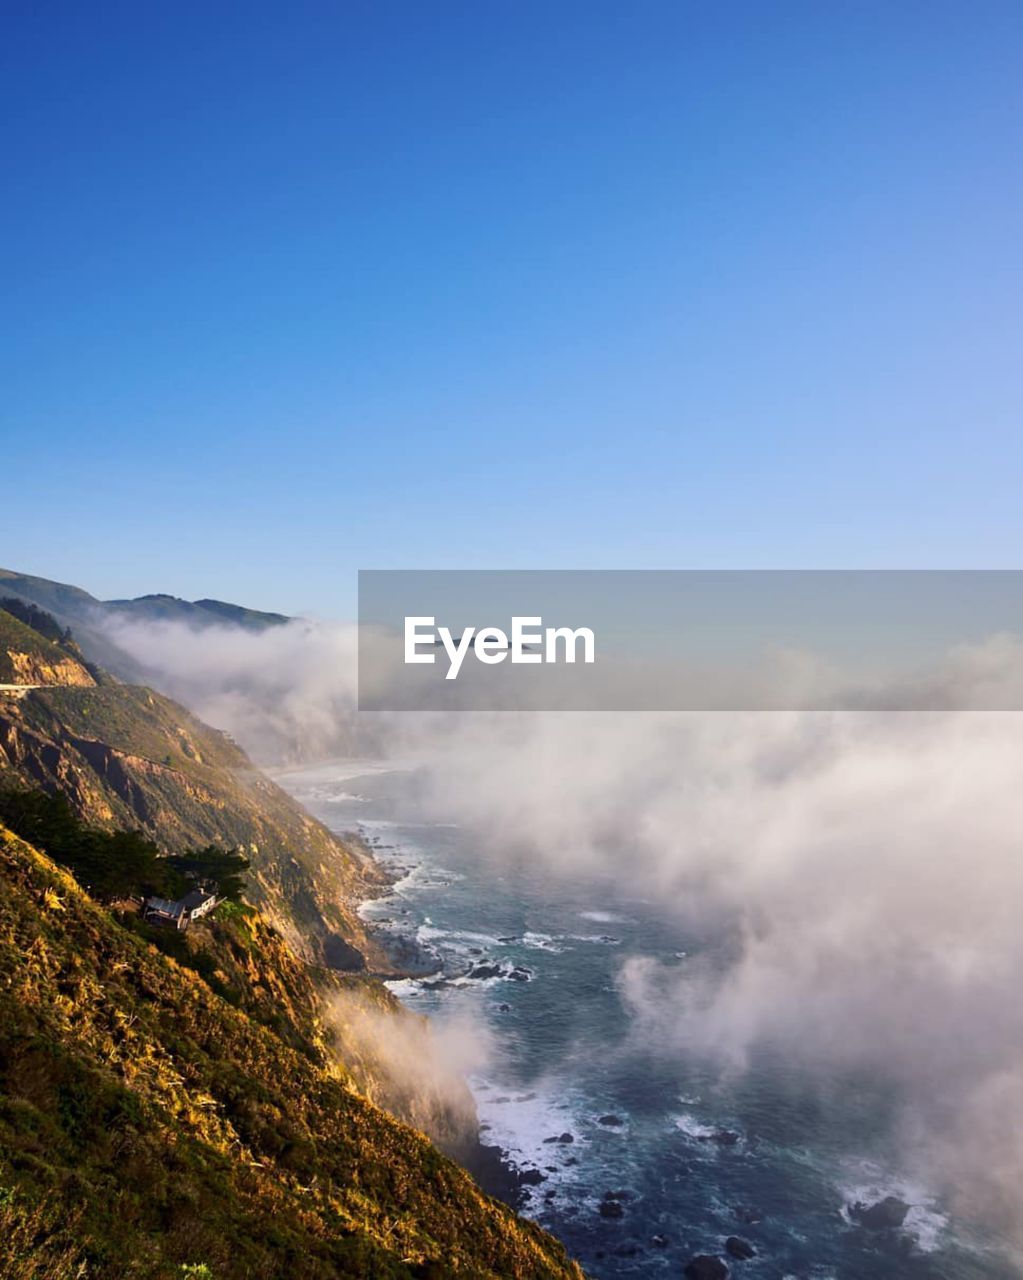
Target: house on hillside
180 914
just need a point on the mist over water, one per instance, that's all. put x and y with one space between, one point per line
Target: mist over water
814 924
287 693
852 880
772 1150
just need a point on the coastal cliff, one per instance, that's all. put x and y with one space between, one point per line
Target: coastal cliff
149 1125
219 1098
128 757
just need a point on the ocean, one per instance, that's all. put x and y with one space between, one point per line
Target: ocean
637 1160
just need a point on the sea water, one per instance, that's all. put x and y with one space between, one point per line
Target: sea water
637 1160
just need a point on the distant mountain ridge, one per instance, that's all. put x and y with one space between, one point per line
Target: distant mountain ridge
89 617
204 613
73 604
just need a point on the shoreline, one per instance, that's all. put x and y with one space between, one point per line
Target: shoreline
490 1165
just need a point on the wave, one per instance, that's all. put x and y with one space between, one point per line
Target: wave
693 1128
527 1125
868 1184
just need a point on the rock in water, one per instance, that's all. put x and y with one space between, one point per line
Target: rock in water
736 1247
612 1122
611 1209
723 1137
885 1215
706 1266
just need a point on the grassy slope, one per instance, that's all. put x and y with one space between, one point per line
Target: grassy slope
146 1122
128 757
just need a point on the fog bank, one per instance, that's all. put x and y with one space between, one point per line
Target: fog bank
856 876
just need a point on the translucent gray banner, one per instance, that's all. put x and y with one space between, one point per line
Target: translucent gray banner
690 640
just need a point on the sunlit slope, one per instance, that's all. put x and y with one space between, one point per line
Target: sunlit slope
146 1123
128 757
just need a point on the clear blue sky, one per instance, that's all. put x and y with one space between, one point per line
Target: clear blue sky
294 289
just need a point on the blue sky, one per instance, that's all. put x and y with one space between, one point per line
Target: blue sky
291 290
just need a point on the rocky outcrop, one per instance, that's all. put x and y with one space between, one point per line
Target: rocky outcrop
705 1266
30 668
737 1247
885 1215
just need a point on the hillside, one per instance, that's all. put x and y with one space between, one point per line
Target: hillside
87 616
127 757
197 613
150 1126
71 605
27 657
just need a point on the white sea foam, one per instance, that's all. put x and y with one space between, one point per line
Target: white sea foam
688 1124
455 939
868 1183
603 917
520 1120
542 942
404 988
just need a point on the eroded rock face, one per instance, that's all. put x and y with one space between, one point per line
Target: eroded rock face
31 668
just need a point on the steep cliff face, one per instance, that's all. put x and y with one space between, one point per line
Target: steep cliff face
28 669
128 757
213 1098
152 1119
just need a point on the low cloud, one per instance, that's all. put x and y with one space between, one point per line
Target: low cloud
413 1067
854 878
287 694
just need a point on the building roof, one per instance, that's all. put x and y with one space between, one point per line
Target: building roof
165 906
194 898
